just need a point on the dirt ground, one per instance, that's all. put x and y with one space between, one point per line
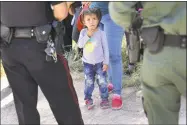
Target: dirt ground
131 113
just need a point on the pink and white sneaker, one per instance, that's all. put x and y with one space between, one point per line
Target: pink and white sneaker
117 102
89 103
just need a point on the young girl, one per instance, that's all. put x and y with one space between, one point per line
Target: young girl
95 57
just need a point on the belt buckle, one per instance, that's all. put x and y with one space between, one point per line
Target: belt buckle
183 42
32 32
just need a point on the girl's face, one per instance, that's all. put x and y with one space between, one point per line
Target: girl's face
91 21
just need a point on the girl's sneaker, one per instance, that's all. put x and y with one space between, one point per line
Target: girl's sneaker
89 103
110 87
105 104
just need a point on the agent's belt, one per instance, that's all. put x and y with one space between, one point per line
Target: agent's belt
23 33
175 41
154 38
41 33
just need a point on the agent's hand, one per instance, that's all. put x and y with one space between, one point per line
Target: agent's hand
105 68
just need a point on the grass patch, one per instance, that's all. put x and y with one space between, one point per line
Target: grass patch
74 61
124 54
134 79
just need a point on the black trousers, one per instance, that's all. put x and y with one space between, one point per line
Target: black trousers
26 69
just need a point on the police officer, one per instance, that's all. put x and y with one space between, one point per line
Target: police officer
28 24
164 63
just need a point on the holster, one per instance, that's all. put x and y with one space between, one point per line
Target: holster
153 38
59 37
133 48
6 34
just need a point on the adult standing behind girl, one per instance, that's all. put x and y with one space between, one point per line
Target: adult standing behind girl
114 34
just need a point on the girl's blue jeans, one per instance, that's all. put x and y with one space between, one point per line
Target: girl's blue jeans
92 73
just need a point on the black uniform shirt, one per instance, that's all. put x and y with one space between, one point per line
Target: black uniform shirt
26 14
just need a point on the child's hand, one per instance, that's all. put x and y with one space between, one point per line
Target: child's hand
105 68
90 33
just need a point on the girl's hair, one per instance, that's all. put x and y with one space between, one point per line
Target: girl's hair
90 11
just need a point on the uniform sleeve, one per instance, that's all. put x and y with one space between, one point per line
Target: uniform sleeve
83 38
122 13
105 48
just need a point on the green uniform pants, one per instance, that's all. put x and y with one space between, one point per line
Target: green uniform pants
163 78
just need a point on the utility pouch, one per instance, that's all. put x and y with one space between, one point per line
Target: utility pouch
6 34
42 33
153 38
133 48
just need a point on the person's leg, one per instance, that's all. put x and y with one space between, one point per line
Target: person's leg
89 80
114 34
163 83
89 72
179 62
102 82
55 82
24 88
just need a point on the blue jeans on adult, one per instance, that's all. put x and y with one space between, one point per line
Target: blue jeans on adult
114 34
92 73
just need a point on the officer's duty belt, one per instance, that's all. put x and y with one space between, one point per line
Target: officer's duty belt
23 33
175 41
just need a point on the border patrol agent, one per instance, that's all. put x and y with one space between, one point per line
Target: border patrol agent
26 30
164 63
